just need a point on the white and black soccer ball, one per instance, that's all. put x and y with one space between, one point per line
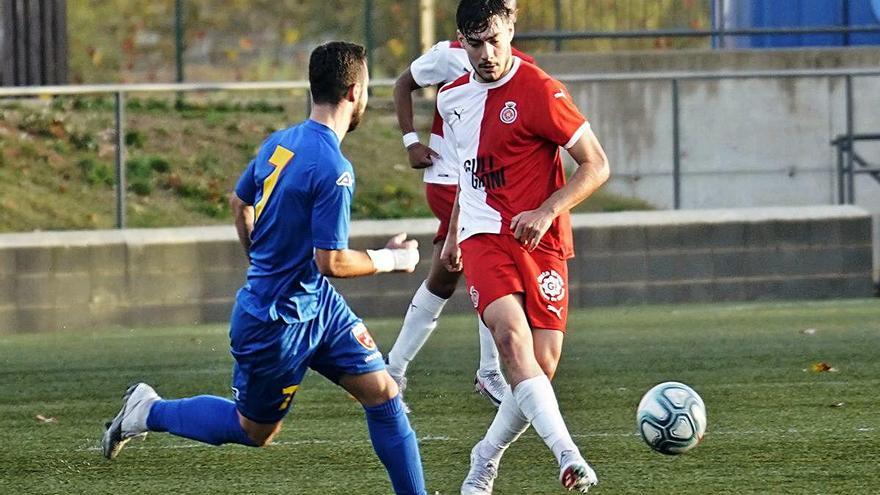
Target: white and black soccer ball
671 418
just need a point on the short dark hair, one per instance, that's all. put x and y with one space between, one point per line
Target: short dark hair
473 16
333 67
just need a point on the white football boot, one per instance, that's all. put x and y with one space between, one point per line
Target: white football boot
131 421
400 380
481 476
575 473
491 385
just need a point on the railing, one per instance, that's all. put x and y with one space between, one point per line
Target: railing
673 78
846 159
718 34
119 92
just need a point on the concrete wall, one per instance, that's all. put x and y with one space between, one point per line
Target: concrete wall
73 280
751 142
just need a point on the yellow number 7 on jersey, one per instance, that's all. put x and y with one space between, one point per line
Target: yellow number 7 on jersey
279 159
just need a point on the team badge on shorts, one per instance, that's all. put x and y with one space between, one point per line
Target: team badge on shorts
363 336
552 285
475 296
508 113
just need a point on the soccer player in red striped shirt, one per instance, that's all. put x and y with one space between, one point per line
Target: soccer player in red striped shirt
511 230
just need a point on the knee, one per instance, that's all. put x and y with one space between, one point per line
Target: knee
548 366
507 340
386 392
442 287
261 435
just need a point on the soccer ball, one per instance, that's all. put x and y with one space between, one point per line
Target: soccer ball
671 418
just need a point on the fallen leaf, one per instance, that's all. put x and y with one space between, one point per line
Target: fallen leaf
838 404
822 367
44 419
809 331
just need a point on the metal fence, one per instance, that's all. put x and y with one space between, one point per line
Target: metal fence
847 161
207 40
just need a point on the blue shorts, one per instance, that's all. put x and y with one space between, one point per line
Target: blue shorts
271 358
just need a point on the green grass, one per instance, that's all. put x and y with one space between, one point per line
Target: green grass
57 160
771 425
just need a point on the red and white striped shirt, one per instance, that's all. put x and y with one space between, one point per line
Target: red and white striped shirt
507 136
444 62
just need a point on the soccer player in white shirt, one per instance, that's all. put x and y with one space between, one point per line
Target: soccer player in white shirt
443 63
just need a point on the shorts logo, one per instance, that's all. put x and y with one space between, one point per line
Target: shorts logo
363 336
508 113
552 286
475 296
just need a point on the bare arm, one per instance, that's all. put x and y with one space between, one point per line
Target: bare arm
450 256
243 216
593 170
420 155
399 255
403 103
344 263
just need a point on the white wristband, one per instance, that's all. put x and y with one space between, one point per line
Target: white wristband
409 139
393 260
383 259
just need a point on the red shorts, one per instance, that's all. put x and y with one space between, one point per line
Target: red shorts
496 265
441 199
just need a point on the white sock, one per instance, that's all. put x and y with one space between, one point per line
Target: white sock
508 425
420 321
538 404
488 350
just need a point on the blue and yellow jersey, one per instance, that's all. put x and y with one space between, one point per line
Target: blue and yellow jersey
301 188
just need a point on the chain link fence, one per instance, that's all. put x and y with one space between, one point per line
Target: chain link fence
257 40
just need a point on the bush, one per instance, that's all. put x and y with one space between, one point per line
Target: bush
138 169
134 139
159 164
96 173
141 187
83 141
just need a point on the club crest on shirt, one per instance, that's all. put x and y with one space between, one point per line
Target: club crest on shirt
551 285
363 336
475 296
344 180
508 113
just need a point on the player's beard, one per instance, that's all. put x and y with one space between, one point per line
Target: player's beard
355 120
494 72
356 115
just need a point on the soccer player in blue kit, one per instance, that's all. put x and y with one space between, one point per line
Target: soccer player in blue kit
292 212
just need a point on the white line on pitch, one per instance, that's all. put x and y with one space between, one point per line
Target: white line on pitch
443 438
313 441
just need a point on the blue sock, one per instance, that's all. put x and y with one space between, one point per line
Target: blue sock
205 418
395 443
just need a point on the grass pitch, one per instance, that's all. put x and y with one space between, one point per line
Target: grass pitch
775 426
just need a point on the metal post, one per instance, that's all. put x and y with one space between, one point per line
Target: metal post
369 42
121 186
722 24
850 151
676 142
178 46
841 191
557 23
